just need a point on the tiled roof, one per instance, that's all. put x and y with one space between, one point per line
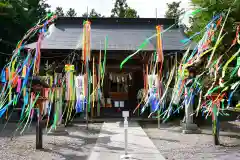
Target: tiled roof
121 36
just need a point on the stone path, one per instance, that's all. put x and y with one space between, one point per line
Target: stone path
110 144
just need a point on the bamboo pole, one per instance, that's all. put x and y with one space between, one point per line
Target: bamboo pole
99 79
93 82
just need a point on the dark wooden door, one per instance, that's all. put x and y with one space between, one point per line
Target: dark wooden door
135 86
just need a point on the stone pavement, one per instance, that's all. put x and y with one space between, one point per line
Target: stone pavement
110 144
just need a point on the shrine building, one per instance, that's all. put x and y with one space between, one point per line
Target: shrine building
63 45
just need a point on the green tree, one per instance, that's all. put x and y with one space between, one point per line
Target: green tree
131 13
16 18
213 8
174 10
71 13
210 9
93 14
37 9
4 8
122 10
59 12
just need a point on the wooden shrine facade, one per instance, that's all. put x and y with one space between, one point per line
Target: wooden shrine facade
63 46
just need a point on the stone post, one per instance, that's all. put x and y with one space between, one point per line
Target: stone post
188 126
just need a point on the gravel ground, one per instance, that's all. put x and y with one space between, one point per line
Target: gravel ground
174 145
78 144
75 146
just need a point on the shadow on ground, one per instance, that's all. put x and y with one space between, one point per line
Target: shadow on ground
67 156
78 151
89 130
165 139
225 135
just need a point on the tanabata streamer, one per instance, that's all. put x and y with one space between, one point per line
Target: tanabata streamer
86 54
70 89
17 68
79 82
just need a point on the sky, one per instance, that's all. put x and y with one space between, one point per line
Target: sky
145 8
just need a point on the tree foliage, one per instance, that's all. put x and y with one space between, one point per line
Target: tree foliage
59 12
122 10
71 13
93 14
211 9
174 10
17 16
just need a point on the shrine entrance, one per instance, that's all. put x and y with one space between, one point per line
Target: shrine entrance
120 91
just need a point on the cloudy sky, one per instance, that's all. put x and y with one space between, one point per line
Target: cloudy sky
145 8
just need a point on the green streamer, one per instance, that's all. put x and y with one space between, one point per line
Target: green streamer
143 45
104 60
196 12
234 71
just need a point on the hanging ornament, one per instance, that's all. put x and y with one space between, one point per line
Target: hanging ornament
79 84
69 69
153 86
159 45
86 54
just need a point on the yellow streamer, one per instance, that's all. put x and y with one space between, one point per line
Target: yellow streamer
229 61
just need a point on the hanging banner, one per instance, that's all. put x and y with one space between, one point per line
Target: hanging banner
79 84
69 82
153 91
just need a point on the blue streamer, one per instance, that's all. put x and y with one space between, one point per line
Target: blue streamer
230 98
154 104
4 109
3 76
80 105
184 41
25 102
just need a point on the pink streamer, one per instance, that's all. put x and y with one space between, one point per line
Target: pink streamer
19 83
32 113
